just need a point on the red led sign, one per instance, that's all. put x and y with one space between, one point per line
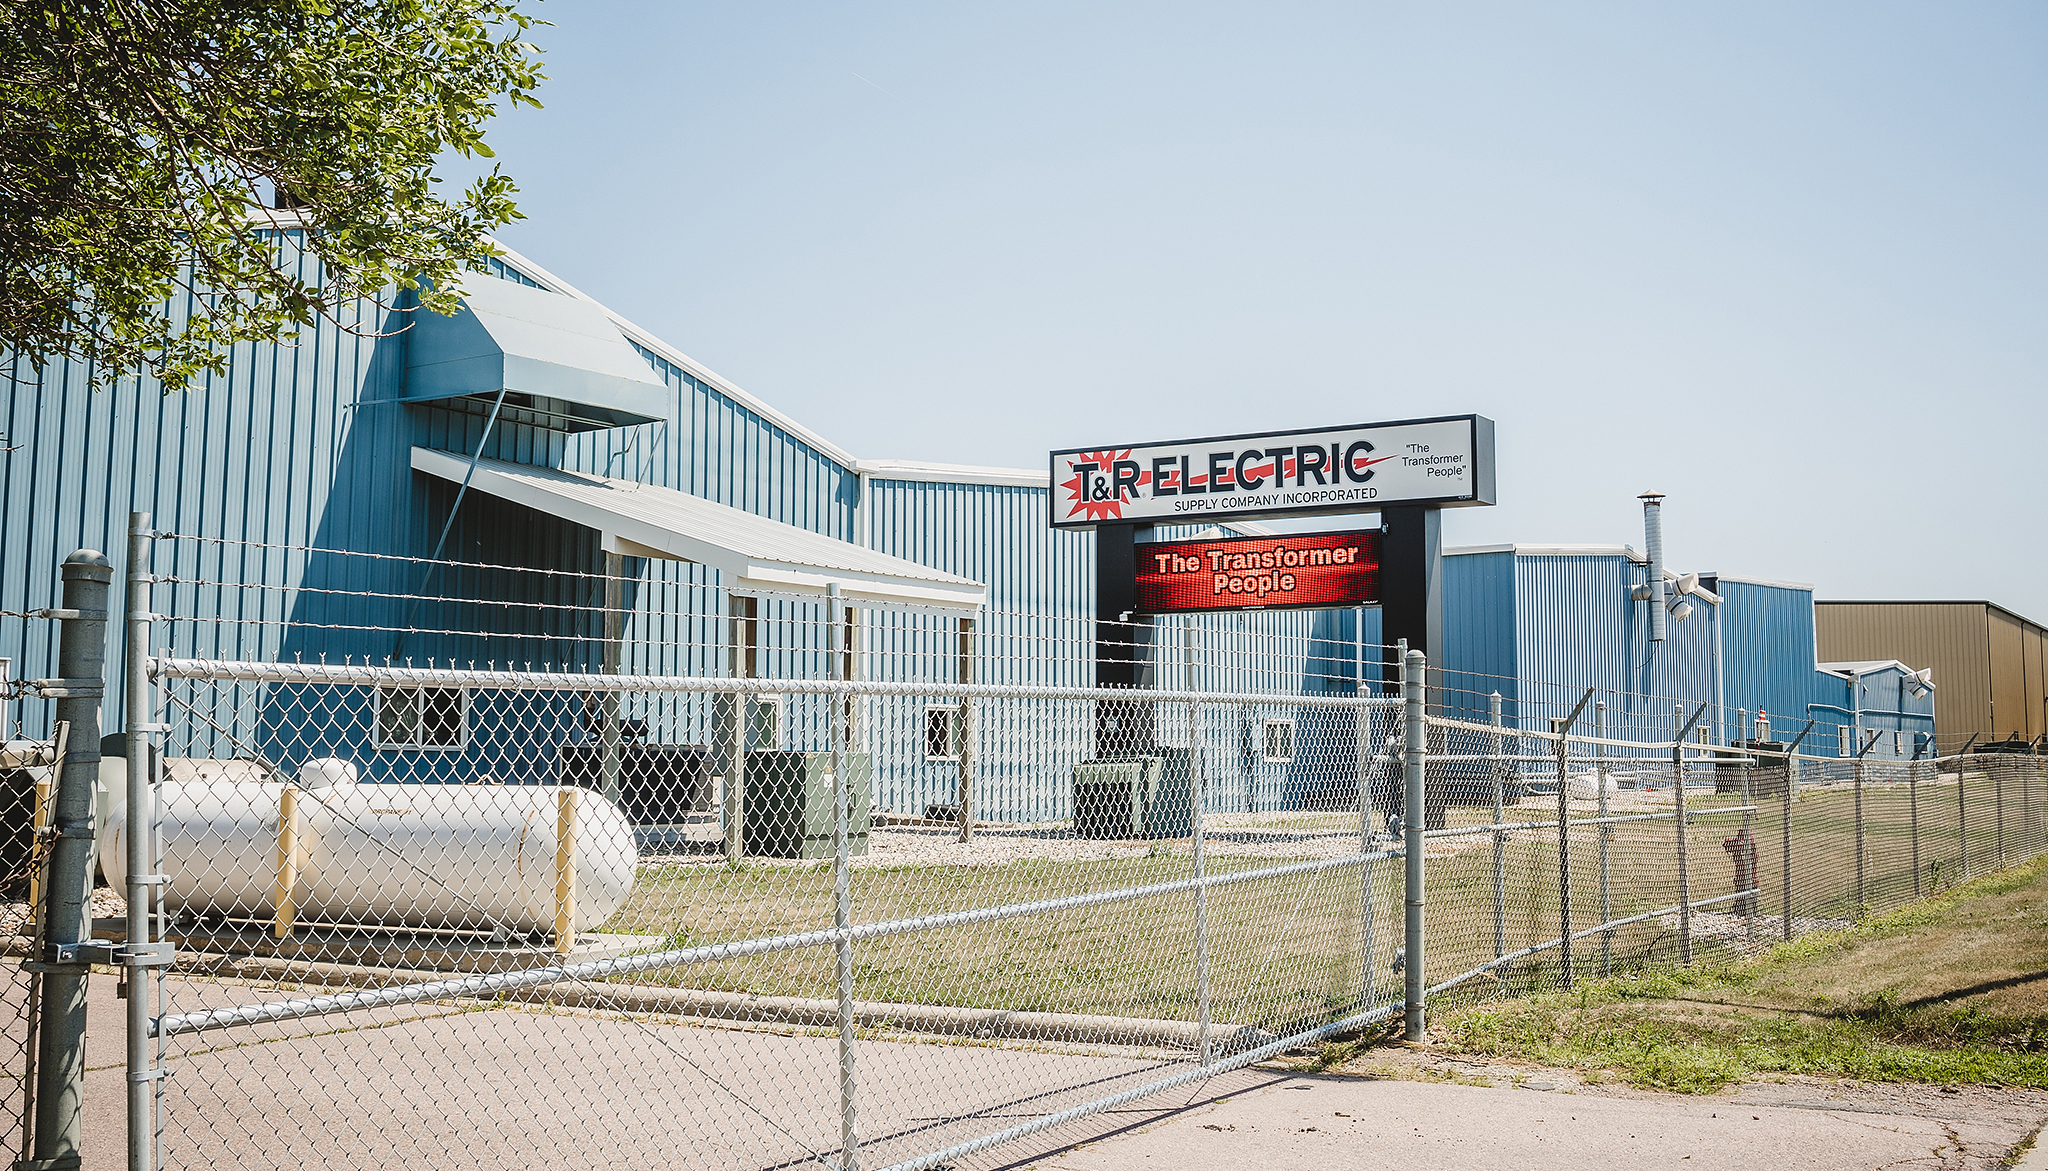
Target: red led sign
1307 570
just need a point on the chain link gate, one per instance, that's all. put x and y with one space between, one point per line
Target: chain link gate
563 916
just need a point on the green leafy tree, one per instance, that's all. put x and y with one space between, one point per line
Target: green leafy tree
157 157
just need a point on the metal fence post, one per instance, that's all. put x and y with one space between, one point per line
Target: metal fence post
1564 839
1856 780
1678 797
1748 837
609 739
732 718
964 731
1606 837
1500 841
60 1041
1368 919
143 883
1998 803
1414 765
842 889
1196 792
1913 804
1962 823
1785 828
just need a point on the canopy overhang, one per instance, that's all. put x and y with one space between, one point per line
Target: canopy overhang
551 360
756 555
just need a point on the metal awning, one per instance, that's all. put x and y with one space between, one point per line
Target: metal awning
756 555
555 361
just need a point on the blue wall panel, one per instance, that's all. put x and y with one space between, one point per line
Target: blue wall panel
1479 654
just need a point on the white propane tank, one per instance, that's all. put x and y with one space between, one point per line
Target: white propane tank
326 771
435 857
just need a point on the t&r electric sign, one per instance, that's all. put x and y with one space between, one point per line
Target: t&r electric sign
1304 570
1445 462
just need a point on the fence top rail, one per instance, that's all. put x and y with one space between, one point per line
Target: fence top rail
369 675
1710 753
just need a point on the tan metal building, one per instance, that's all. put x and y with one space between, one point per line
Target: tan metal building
1990 664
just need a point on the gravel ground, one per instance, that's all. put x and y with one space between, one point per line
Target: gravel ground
1734 930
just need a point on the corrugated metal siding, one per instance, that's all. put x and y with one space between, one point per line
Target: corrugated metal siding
1767 648
251 455
716 448
2008 675
1479 634
1577 627
2032 683
1951 637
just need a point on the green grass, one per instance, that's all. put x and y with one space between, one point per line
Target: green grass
1864 1003
1287 952
1283 950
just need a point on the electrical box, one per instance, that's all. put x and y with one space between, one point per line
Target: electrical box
789 804
1149 796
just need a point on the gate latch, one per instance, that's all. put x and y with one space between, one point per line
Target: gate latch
120 955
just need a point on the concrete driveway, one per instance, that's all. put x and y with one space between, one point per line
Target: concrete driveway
490 1087
1321 1123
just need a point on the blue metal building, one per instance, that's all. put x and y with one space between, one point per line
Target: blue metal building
1541 623
310 485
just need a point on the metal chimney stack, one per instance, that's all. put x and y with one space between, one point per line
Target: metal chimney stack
1653 542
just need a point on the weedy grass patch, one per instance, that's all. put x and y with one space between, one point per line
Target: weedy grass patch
1944 991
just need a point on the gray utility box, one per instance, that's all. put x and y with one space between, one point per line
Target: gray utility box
1768 776
789 804
1148 796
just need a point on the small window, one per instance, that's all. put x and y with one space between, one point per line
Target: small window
942 732
1279 741
764 723
1898 744
1845 740
422 717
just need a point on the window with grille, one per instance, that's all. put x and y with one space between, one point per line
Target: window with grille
422 717
1279 741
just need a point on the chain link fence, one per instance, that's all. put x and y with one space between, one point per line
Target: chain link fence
1600 858
788 885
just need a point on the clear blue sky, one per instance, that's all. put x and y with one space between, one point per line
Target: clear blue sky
1786 263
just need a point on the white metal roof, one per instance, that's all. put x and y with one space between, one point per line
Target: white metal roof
936 473
1773 582
1521 549
1863 667
757 555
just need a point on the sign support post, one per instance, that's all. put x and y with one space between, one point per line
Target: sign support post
1123 642
1411 585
